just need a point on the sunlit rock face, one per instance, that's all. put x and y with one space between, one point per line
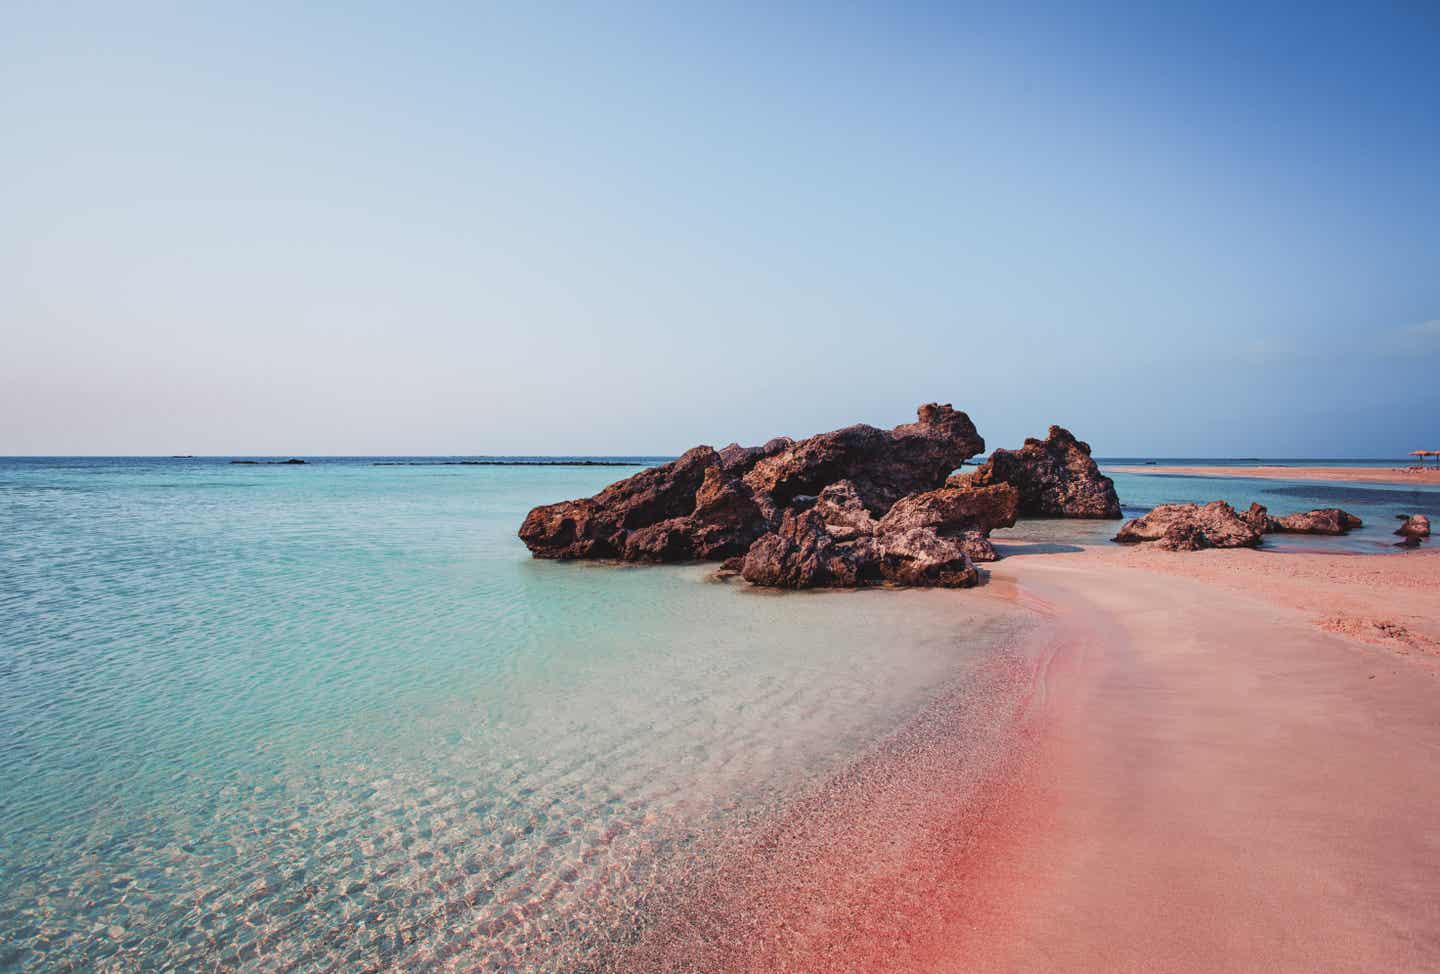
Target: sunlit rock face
1191 527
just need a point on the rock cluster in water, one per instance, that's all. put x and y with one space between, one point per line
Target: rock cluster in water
1056 478
1324 520
1412 529
1191 527
855 506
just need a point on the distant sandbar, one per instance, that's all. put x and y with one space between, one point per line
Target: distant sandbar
1373 475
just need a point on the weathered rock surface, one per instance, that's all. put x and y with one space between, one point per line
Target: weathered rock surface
600 526
737 459
930 538
1055 477
1325 520
966 515
1190 527
923 556
1414 526
845 515
1258 517
883 466
851 507
803 554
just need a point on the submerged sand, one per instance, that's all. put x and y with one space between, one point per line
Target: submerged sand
1212 762
1363 475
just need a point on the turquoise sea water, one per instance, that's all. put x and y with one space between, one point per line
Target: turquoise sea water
333 717
1375 504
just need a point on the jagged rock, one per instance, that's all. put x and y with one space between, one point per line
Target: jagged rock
1326 520
737 459
1190 527
931 538
1055 476
728 516
845 515
852 507
670 540
989 507
599 526
1258 517
712 504
726 519
1416 526
966 514
802 554
922 556
883 466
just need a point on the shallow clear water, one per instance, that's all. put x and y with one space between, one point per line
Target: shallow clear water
1375 504
332 717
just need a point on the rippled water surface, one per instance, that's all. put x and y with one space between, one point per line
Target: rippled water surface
332 717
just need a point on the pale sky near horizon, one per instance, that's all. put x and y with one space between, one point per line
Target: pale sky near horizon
495 229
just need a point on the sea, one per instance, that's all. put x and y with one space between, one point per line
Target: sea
332 717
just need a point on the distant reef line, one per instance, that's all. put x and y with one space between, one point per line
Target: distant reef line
509 463
454 463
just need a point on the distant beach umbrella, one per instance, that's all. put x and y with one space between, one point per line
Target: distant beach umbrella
1422 454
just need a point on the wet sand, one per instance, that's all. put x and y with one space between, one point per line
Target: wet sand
1363 475
882 867
1183 767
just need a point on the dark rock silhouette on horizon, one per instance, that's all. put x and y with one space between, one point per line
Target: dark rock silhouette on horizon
1056 477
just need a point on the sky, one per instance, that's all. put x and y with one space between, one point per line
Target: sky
1178 230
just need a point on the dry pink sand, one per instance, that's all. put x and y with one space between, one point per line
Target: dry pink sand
1392 600
1233 787
1371 475
1186 767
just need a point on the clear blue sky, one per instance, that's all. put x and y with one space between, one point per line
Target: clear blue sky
421 228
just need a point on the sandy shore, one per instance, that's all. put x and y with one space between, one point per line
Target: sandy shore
1364 475
1240 767
1222 761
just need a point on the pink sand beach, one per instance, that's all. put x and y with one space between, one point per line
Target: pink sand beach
1359 475
1222 761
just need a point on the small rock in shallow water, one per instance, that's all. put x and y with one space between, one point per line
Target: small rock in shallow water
1326 520
1190 527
